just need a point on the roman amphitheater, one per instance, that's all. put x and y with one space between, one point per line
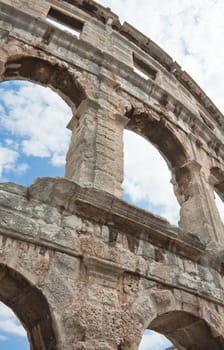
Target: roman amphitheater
80 267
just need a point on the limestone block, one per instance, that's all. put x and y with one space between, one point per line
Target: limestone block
17 223
92 318
48 214
188 281
30 261
71 222
112 325
161 271
61 284
17 202
146 250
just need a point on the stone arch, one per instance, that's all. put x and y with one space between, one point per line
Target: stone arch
154 128
44 72
187 179
154 187
190 322
186 331
30 306
217 180
171 144
216 183
47 71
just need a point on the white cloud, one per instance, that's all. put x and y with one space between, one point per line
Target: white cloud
38 116
22 168
154 341
11 144
220 206
11 326
3 338
190 31
147 177
8 159
5 312
9 323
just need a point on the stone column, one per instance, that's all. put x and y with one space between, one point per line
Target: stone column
95 156
198 210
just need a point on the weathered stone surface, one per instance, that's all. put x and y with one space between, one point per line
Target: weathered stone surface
98 284
81 268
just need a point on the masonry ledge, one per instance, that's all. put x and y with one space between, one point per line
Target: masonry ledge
106 209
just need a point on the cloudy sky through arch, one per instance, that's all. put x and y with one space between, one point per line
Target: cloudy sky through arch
34 138
12 334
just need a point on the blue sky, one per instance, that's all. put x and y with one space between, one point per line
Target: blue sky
33 119
12 334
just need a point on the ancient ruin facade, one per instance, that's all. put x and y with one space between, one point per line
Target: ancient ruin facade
81 268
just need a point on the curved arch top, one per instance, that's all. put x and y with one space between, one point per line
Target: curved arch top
46 73
160 133
186 331
31 307
186 320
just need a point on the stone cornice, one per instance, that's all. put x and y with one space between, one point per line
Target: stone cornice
107 209
146 44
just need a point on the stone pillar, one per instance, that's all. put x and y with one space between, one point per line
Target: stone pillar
101 314
95 156
198 210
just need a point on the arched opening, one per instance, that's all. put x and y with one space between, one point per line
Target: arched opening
154 128
182 331
217 182
46 73
33 133
152 340
220 205
30 306
12 333
147 178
